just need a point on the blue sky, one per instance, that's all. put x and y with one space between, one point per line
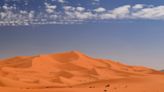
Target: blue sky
130 31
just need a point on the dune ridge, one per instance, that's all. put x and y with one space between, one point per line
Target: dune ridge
74 69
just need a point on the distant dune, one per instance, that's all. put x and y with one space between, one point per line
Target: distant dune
75 72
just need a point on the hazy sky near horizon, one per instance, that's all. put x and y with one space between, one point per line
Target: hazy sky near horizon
123 30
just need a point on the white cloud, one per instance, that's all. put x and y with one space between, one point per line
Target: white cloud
100 9
61 1
150 13
80 8
5 7
10 15
138 6
69 8
84 15
122 12
50 8
107 16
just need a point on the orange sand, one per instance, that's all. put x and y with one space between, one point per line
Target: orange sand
75 72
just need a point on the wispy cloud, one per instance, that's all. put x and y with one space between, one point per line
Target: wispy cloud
67 14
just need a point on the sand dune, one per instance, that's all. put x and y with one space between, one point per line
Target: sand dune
75 72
